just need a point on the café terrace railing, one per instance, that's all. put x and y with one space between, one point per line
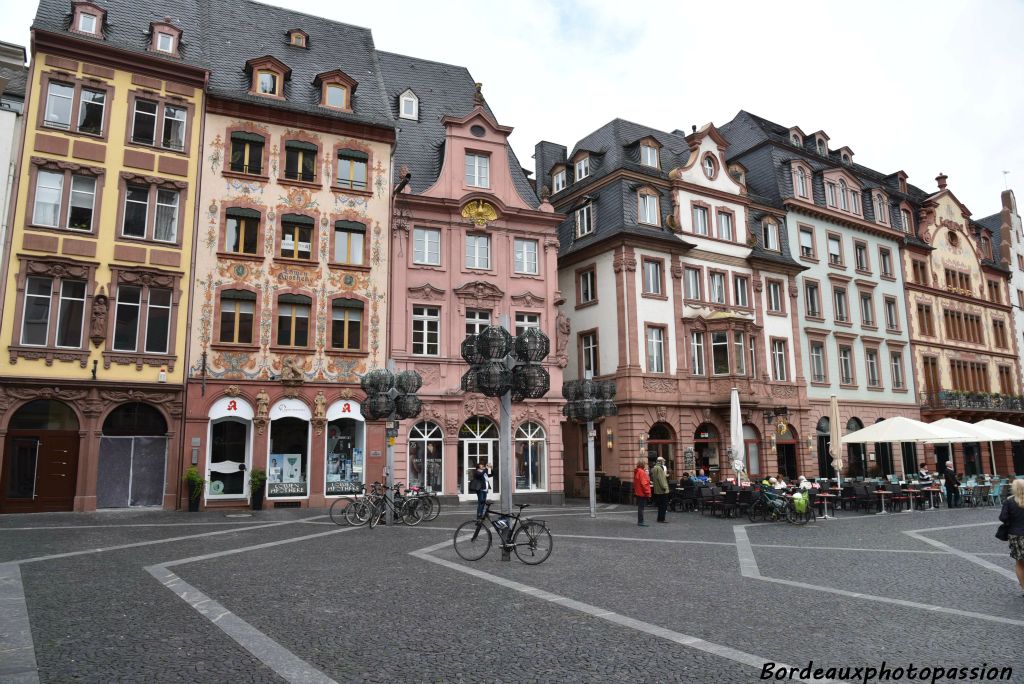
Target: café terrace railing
968 401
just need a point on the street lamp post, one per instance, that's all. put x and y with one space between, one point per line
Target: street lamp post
508 368
588 400
391 396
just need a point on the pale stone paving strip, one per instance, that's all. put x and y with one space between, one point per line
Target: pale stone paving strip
973 558
17 651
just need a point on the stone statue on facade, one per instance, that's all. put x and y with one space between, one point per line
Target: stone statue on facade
262 410
563 326
98 322
319 412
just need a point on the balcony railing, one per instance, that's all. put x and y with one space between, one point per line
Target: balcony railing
972 401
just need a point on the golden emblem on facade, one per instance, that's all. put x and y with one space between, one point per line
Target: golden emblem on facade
479 212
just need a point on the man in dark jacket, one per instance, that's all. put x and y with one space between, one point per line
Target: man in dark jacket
659 483
952 487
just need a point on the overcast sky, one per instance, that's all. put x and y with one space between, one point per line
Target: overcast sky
919 86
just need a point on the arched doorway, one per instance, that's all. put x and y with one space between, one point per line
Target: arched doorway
132 462
705 448
478 443
426 456
855 452
824 434
785 447
531 446
230 449
40 459
660 440
288 452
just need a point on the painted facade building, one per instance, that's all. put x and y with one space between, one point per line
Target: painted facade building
97 262
471 244
966 350
291 261
846 224
663 231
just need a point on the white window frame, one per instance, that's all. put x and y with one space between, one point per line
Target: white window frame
424 318
717 288
652 277
697 359
582 168
846 365
655 349
725 221
801 177
708 165
896 365
648 213
723 341
49 309
812 295
426 251
558 181
885 261
840 305
740 355
588 291
82 17
693 284
526 319
780 364
584 220
409 97
589 352
477 320
160 37
59 189
807 250
770 236
740 293
522 256
818 362
478 251
701 221
774 290
871 368
649 156
50 95
478 170
867 309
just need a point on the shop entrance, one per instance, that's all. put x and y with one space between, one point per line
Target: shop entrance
659 443
705 448
478 443
785 445
40 459
132 458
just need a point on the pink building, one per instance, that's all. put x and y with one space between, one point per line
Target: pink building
471 243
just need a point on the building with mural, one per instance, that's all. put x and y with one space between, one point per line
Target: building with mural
471 244
965 341
291 260
97 259
663 231
846 224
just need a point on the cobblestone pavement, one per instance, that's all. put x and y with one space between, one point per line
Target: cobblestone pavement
151 596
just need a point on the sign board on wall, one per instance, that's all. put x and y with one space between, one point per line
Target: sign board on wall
290 408
286 489
345 409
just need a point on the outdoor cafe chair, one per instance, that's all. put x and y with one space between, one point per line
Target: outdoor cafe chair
899 497
726 504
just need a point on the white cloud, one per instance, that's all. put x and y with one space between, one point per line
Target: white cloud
922 86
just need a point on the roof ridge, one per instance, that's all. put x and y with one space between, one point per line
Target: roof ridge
421 59
319 19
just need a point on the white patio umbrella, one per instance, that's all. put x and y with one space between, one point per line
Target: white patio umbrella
901 429
736 435
835 446
1004 432
978 433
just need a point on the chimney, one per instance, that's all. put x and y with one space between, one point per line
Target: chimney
941 180
693 129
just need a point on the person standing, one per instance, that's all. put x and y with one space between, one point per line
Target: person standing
952 487
659 480
482 482
1013 515
641 490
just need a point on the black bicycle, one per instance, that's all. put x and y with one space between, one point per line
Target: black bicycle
530 539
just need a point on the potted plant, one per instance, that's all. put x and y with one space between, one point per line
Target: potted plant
257 478
195 483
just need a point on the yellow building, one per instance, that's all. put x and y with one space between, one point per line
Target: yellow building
96 274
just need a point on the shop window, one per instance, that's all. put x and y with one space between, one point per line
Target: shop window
229 449
346 450
426 450
346 324
352 169
237 310
287 469
530 451
293 320
247 153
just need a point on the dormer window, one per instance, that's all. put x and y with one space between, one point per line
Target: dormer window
770 235
409 106
165 43
649 155
844 203
558 181
164 37
582 168
881 208
268 76
822 148
709 166
87 22
298 38
795 139
847 160
908 224
801 182
336 89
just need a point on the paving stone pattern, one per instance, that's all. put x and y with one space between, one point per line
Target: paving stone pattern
360 608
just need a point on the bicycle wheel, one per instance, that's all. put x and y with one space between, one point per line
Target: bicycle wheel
435 507
794 517
376 513
412 512
339 510
758 511
532 543
472 540
358 513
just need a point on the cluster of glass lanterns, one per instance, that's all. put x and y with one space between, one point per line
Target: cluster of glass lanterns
588 400
388 393
500 363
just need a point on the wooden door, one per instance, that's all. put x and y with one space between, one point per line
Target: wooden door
40 471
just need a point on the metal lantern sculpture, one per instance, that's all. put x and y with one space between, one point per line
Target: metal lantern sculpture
586 401
391 396
508 367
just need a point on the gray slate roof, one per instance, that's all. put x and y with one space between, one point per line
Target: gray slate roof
443 90
16 78
222 35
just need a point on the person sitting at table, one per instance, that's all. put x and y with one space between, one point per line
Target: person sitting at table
778 482
923 475
804 483
701 477
952 487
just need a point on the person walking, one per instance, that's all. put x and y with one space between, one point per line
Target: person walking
641 490
659 479
1013 515
481 484
952 487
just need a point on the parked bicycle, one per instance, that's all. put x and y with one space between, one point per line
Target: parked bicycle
773 507
429 500
347 507
529 539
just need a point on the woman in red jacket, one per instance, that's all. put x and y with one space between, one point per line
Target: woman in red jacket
641 489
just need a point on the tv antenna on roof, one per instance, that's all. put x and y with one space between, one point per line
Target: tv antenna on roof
1006 184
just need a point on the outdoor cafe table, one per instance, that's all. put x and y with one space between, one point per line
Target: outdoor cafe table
882 493
932 491
825 496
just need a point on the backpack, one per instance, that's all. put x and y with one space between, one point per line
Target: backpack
476 483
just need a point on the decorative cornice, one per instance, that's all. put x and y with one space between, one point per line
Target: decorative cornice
528 299
426 292
479 291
